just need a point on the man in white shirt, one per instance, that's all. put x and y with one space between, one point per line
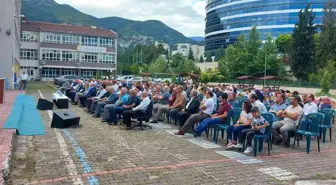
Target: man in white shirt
291 117
206 111
256 102
24 78
310 106
142 107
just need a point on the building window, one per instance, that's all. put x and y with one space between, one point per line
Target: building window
72 56
28 54
71 72
27 36
52 38
50 72
89 57
70 39
107 58
48 54
106 42
88 73
89 41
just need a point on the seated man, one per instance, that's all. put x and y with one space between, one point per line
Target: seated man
191 108
92 92
256 102
161 107
115 110
279 105
218 118
80 89
128 114
101 94
291 117
79 94
110 100
94 103
206 111
179 103
309 107
123 98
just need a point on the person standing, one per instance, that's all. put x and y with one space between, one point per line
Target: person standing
24 78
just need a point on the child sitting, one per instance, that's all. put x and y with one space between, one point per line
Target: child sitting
259 125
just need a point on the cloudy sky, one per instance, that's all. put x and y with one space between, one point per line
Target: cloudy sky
186 16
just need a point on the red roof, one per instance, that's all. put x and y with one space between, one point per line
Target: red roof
245 77
66 28
270 78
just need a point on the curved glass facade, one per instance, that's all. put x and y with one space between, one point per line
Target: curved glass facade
227 19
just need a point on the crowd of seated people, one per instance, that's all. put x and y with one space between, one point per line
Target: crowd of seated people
194 109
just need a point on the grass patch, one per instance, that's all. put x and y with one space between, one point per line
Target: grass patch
32 88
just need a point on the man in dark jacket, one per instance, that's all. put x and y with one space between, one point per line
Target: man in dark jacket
79 89
92 92
191 108
110 100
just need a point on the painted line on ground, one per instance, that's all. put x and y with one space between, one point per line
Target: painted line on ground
155 168
79 152
203 143
278 173
241 158
70 165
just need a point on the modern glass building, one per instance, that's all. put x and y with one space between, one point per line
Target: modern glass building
227 19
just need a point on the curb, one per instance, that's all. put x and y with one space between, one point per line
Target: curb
7 138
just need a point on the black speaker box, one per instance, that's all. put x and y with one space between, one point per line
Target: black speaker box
62 103
44 104
64 119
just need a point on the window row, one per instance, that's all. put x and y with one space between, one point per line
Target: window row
74 56
78 40
27 36
85 73
28 54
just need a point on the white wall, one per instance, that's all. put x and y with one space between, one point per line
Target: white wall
207 65
9 42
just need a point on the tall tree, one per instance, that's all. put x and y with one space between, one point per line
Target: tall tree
284 44
191 55
254 42
159 66
208 57
220 53
303 53
201 59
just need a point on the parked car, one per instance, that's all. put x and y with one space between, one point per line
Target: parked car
70 78
135 79
128 77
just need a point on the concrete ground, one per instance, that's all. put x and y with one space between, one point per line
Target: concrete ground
100 154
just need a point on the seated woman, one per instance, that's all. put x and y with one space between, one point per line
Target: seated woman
218 118
243 123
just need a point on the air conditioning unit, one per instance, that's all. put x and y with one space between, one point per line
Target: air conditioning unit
77 64
42 62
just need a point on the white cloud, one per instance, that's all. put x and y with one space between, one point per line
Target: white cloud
185 16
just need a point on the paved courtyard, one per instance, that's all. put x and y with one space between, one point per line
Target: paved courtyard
100 154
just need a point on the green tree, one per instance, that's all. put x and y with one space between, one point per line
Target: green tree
208 57
191 55
161 49
325 76
201 59
211 75
284 44
159 66
303 52
220 53
254 42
